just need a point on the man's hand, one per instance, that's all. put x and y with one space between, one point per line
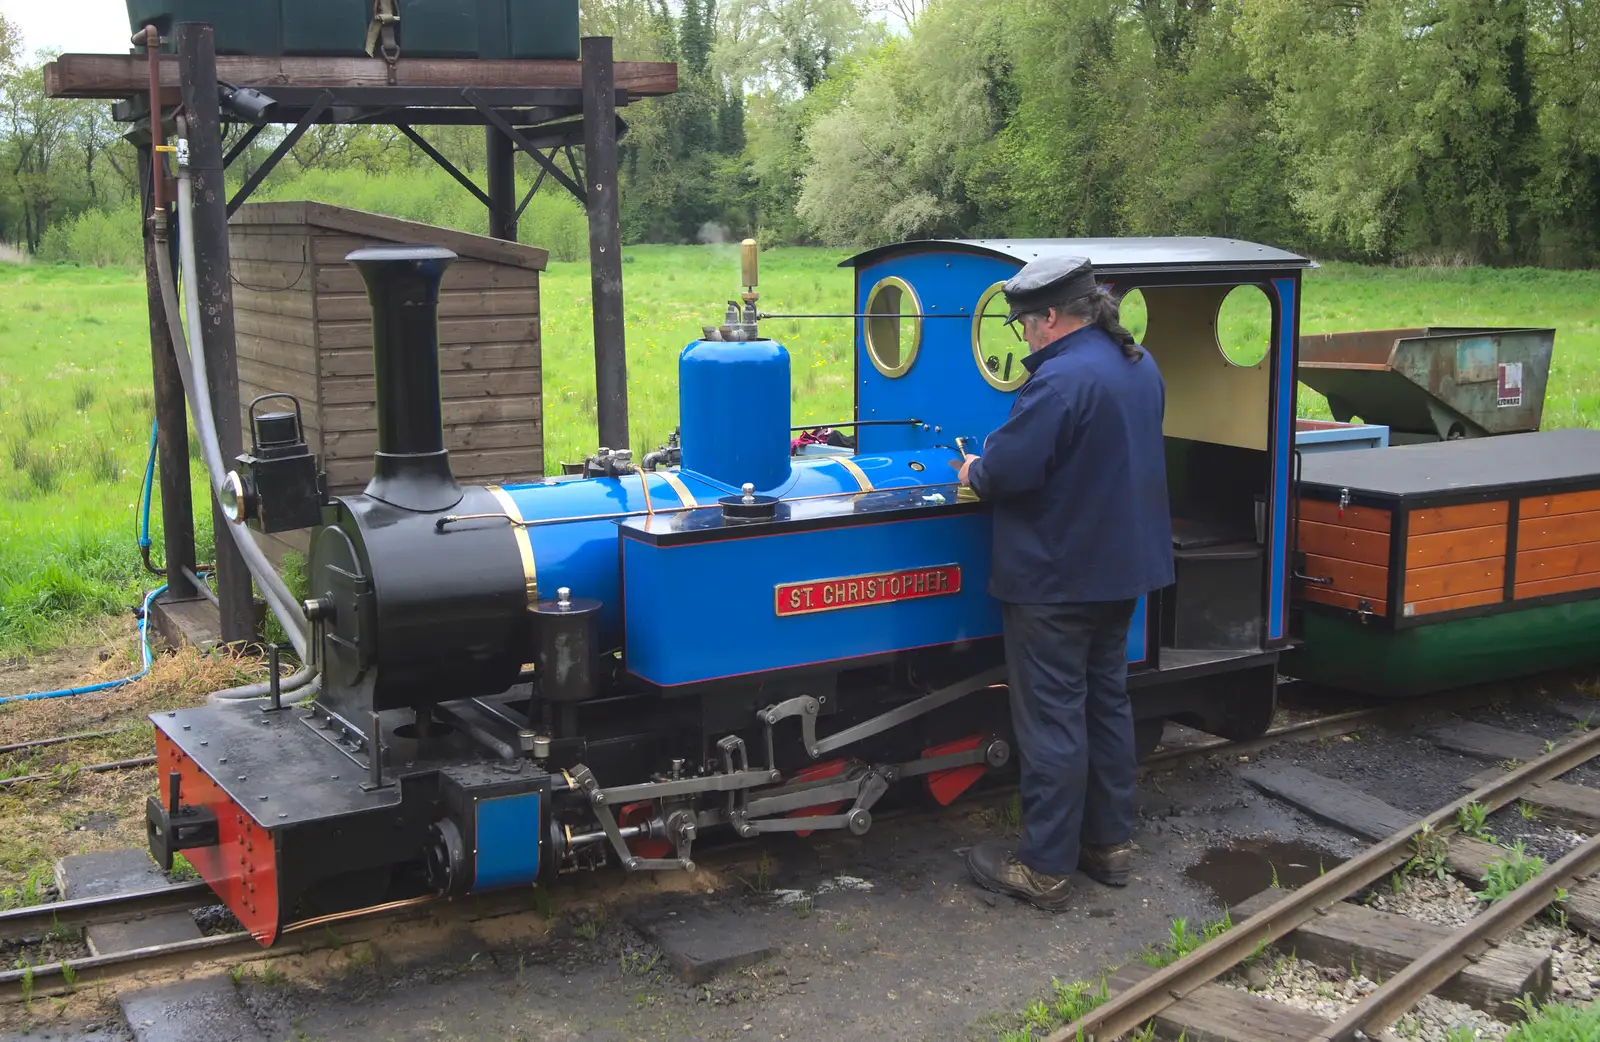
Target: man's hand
965 468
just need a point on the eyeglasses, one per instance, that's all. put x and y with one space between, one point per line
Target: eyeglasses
1019 324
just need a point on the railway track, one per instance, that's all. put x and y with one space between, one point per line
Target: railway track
1171 998
65 975
30 747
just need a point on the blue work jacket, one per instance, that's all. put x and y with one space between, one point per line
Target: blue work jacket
1078 478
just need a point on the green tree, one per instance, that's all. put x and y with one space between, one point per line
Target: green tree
37 130
1408 123
793 43
1564 193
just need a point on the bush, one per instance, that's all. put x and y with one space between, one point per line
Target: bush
554 221
95 238
429 196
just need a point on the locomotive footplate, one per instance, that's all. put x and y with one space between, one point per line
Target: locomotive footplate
293 821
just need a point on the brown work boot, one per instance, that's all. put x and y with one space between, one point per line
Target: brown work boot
1110 865
996 868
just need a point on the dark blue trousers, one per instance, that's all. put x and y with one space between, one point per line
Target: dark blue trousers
1068 667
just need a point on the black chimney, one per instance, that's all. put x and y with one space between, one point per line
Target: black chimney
411 468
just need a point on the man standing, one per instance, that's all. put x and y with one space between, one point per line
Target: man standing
1082 529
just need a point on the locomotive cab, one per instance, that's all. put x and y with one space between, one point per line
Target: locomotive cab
935 345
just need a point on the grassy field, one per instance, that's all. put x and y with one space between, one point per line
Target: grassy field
75 412
75 399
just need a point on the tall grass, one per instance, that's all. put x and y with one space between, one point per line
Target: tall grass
75 406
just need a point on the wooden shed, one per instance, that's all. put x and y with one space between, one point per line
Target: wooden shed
304 326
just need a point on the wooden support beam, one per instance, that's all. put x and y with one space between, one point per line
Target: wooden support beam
172 424
212 285
502 167
605 239
123 75
270 164
495 120
243 143
444 164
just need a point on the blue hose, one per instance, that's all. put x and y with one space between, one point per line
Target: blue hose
144 646
145 492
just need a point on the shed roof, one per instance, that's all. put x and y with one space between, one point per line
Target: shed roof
1164 253
393 229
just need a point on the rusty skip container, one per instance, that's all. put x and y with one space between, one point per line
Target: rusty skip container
1437 383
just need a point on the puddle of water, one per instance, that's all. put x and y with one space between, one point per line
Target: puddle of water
1246 867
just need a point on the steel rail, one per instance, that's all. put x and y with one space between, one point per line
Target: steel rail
52 978
1319 727
67 975
59 739
38 920
92 768
1330 726
1462 948
1131 1008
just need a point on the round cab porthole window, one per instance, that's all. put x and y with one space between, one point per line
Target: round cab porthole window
998 347
1134 314
1244 326
893 326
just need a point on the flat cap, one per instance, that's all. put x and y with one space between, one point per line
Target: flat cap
1048 282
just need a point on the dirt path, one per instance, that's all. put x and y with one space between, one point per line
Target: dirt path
96 656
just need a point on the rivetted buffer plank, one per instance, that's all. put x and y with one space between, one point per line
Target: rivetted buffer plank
1329 800
1482 740
1380 944
1217 1013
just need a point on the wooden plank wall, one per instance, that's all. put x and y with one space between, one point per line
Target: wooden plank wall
489 361
1558 544
1455 557
273 315
1351 547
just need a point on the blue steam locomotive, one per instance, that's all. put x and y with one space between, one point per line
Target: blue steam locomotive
526 680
